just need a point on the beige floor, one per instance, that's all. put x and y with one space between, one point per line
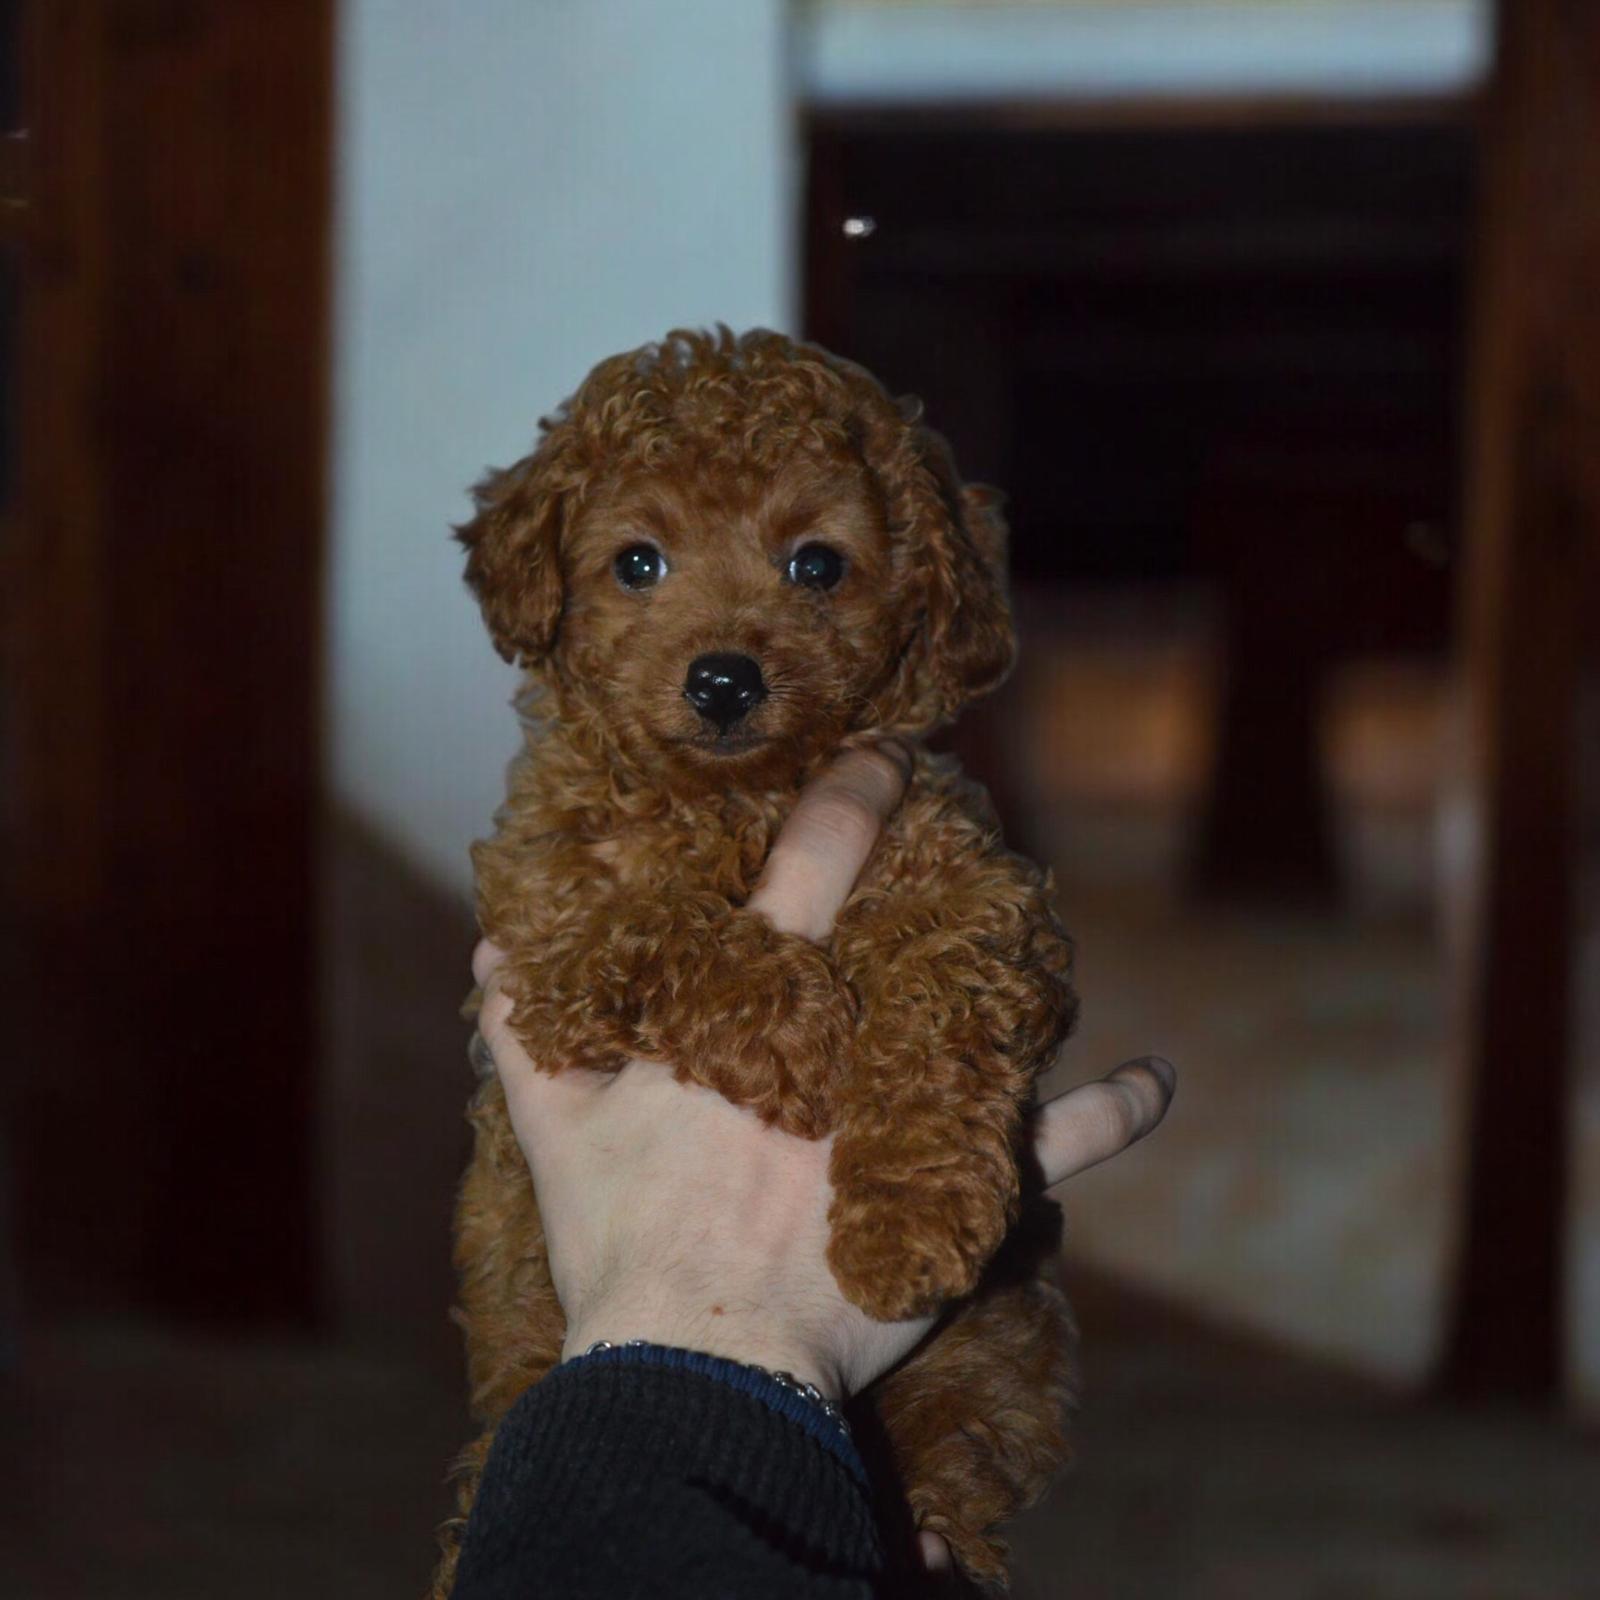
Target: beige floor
1213 1467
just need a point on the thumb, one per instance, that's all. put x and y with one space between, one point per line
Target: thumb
821 849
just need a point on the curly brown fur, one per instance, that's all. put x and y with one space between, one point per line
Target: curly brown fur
634 831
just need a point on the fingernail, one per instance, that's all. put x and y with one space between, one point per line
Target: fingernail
480 1055
1164 1070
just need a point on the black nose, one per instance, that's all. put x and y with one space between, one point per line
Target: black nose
724 688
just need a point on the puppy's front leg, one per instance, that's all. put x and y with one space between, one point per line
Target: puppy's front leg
758 1015
964 997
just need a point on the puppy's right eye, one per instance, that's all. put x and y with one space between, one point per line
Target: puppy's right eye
639 566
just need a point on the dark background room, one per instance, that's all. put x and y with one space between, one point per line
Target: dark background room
1278 321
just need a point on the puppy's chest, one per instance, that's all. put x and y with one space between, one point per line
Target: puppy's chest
722 860
725 857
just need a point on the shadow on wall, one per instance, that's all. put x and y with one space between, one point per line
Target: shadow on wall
395 1084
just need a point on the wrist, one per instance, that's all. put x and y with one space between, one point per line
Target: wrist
750 1340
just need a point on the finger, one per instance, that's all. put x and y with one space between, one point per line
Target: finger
531 1092
1096 1121
516 1068
485 958
822 847
934 1549
494 1024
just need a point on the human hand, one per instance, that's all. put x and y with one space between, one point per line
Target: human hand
673 1216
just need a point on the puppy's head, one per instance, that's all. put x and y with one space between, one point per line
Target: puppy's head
726 556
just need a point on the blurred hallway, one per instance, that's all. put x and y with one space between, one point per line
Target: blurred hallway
1301 1187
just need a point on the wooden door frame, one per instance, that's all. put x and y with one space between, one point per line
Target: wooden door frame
1533 503
162 633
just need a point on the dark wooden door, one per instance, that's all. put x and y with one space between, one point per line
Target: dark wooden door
162 573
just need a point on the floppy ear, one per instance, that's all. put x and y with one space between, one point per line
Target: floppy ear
974 636
514 556
966 643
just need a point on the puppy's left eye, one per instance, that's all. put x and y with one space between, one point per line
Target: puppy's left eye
815 566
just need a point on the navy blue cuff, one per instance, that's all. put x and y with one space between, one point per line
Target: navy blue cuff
805 1414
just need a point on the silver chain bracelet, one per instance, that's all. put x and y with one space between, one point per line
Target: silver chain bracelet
784 1380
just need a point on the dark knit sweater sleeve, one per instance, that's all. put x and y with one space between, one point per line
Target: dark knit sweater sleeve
614 1479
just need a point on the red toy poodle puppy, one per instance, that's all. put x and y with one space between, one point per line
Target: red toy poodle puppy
725 559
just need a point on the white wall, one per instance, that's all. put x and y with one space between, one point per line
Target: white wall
1109 48
524 186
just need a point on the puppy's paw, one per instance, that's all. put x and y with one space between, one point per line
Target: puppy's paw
976 1554
565 1023
760 1016
904 1249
